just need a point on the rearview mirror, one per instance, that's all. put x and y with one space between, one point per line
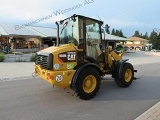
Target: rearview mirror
107 28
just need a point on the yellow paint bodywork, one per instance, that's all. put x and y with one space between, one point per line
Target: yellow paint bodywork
64 71
50 76
115 56
111 55
59 49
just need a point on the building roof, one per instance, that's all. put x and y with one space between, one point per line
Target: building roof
107 37
136 39
2 31
113 37
10 30
44 31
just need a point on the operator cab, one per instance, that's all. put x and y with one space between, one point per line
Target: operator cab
82 31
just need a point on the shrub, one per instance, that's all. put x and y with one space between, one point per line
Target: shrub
33 58
2 57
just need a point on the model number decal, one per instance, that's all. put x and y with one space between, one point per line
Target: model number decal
67 56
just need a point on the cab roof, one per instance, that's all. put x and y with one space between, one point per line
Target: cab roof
81 16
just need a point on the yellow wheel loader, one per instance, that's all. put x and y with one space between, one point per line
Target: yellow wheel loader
80 59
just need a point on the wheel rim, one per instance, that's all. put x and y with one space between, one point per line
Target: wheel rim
128 75
89 84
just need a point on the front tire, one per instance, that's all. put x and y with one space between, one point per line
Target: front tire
88 83
127 76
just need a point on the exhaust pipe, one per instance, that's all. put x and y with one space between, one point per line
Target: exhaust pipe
57 42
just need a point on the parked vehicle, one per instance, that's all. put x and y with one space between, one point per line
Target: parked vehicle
153 50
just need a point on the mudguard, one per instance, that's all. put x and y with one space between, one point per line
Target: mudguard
121 62
119 66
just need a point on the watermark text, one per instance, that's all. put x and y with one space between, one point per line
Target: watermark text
55 13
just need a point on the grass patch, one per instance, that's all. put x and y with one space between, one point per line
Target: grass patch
2 57
33 58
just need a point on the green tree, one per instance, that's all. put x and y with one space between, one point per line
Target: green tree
121 33
113 32
154 39
117 33
136 34
158 42
145 36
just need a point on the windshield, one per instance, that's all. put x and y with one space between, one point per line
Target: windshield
69 32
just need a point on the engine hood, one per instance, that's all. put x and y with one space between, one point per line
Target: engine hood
58 49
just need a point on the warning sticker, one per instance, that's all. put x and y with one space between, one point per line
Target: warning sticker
56 66
70 66
59 78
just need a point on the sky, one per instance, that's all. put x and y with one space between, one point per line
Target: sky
125 15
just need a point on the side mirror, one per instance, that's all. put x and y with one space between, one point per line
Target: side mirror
107 28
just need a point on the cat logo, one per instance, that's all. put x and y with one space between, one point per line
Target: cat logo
67 56
71 56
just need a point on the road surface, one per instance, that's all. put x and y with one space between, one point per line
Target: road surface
35 99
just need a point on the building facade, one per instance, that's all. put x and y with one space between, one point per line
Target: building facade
26 39
136 43
36 38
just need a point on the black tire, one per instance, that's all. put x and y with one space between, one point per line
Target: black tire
88 83
126 77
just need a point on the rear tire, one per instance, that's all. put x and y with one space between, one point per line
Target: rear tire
88 83
126 77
